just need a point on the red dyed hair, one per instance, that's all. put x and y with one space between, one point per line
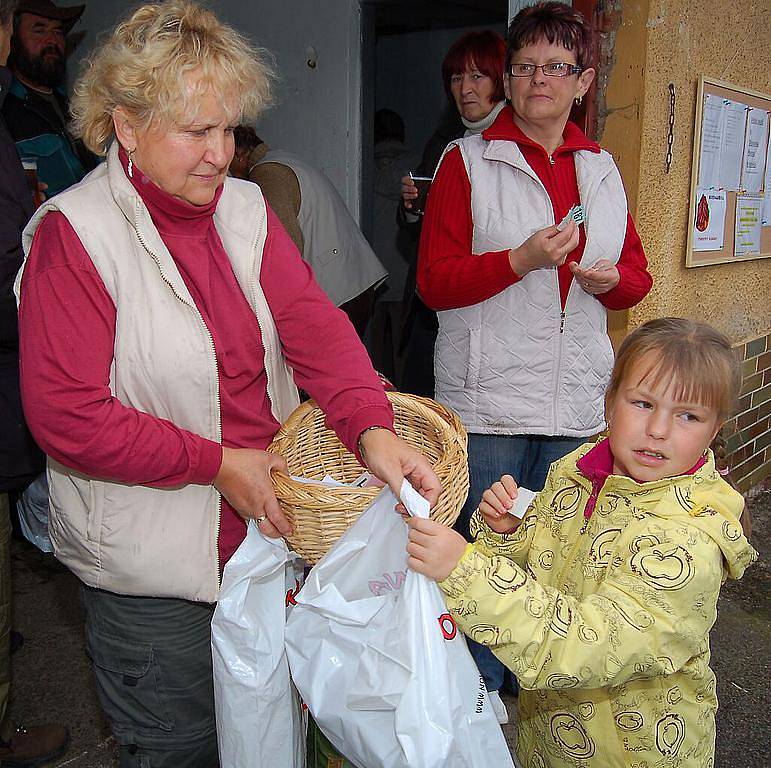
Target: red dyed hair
484 50
554 22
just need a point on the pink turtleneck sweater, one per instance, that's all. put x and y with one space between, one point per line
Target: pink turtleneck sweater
67 331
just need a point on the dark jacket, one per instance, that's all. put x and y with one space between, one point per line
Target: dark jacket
420 324
20 459
39 132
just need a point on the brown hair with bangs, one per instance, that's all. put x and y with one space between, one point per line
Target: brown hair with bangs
693 355
555 22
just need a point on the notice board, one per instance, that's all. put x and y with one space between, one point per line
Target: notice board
729 212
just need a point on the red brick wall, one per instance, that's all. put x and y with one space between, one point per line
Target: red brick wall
748 435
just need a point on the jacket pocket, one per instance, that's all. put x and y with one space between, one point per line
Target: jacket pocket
325 256
95 510
129 678
474 358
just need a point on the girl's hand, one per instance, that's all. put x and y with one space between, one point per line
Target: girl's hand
434 549
496 503
545 248
409 192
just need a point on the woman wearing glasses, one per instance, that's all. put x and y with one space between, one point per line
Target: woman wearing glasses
523 353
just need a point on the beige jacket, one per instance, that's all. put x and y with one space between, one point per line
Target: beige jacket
137 540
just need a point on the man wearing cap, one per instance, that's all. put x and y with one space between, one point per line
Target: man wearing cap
36 109
20 458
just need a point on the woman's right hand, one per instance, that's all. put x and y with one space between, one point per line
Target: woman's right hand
496 503
244 480
409 192
545 248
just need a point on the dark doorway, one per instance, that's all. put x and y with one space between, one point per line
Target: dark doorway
404 44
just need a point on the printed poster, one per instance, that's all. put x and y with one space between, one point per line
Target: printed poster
712 127
755 148
732 148
749 212
709 225
767 189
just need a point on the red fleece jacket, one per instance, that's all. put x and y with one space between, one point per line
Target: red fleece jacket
448 278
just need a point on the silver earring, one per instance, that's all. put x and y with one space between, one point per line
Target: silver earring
130 169
578 100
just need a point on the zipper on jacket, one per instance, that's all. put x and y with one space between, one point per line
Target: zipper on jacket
563 316
263 338
591 503
563 312
216 378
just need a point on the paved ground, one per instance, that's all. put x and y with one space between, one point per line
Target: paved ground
52 678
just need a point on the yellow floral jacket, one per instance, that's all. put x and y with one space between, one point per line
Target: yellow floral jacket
601 603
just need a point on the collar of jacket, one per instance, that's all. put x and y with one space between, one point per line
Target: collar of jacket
236 217
505 129
21 91
596 464
698 498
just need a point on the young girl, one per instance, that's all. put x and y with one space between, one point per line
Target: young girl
602 598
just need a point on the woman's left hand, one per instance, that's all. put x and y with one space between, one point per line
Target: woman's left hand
602 277
434 549
390 459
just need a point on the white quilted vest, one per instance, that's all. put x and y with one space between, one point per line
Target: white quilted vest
515 363
138 540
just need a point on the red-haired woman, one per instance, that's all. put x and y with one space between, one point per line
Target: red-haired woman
522 352
472 74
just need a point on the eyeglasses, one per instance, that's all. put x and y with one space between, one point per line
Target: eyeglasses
553 69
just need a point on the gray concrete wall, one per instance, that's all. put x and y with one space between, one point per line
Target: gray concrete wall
318 110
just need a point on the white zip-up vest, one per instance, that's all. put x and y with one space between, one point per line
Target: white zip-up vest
343 262
138 540
515 364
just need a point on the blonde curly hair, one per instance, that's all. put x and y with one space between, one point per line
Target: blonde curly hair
157 62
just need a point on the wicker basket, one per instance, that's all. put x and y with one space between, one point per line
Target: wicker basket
321 514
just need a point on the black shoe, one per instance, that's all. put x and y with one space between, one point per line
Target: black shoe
33 746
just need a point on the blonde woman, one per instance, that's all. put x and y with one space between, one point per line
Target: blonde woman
165 316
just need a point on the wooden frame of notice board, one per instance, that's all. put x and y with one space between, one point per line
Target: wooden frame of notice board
725 254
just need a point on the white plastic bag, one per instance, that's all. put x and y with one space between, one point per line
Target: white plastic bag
379 661
259 719
32 507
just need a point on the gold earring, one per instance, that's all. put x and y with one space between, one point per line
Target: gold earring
130 169
578 100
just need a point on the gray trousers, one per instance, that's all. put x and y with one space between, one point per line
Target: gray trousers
152 661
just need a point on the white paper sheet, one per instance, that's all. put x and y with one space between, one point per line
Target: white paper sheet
733 144
709 220
755 146
767 189
748 218
524 499
712 126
